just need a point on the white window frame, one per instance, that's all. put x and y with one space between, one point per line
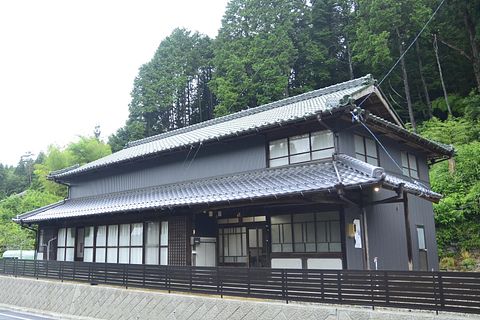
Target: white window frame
308 155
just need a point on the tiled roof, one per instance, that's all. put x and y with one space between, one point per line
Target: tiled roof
440 147
264 183
272 114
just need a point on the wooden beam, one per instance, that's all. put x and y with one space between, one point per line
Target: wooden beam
408 232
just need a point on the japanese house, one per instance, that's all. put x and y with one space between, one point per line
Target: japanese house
329 179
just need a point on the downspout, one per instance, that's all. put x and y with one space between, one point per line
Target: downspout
48 247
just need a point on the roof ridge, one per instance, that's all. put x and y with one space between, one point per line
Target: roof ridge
361 166
265 107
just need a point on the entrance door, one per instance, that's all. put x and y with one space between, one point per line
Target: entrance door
79 244
257 249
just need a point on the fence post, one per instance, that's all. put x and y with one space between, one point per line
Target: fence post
249 282
285 277
126 275
339 287
387 291
35 272
143 280
191 270
15 267
322 286
440 290
74 270
435 292
46 268
60 270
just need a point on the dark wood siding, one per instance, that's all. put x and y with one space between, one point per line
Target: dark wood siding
222 158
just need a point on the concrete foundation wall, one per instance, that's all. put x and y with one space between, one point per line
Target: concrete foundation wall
101 302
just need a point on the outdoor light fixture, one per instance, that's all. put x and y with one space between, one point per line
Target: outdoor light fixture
376 189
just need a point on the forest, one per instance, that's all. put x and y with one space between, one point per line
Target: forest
425 54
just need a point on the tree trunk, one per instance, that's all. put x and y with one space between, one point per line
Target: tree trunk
350 62
474 44
435 48
405 82
424 83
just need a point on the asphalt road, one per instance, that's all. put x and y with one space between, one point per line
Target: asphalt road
15 315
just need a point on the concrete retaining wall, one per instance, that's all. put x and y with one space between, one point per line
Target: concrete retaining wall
104 302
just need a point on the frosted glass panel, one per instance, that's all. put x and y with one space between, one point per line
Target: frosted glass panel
61 237
123 255
164 234
137 234
89 236
164 256
100 255
404 160
113 236
124 235
371 147
61 254
151 255
279 162
112 255
278 148
70 254
136 255
88 255
153 233
101 236
300 158
359 148
299 144
322 154
70 237
322 140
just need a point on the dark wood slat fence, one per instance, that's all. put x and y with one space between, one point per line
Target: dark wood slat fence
438 291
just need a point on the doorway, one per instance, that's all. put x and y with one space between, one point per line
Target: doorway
80 244
257 247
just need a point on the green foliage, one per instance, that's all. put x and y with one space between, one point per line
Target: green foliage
86 149
447 263
12 236
171 90
457 215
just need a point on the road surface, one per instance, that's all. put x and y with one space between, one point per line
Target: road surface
15 315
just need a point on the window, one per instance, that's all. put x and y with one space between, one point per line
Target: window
232 245
421 238
66 244
301 148
308 232
88 243
366 150
409 165
124 243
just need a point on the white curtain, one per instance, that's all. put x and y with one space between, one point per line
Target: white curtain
124 255
136 255
89 236
88 255
112 236
61 237
101 236
124 235
100 255
136 234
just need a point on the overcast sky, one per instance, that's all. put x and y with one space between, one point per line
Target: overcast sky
66 66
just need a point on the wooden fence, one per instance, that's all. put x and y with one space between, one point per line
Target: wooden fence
438 291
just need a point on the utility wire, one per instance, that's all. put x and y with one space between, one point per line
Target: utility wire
358 118
406 50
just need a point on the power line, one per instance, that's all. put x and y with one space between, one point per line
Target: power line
405 52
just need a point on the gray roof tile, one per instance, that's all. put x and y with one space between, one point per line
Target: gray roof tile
263 183
283 111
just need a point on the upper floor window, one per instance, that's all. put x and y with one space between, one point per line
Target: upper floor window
409 165
366 150
301 148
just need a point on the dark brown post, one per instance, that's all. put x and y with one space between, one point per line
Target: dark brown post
408 232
